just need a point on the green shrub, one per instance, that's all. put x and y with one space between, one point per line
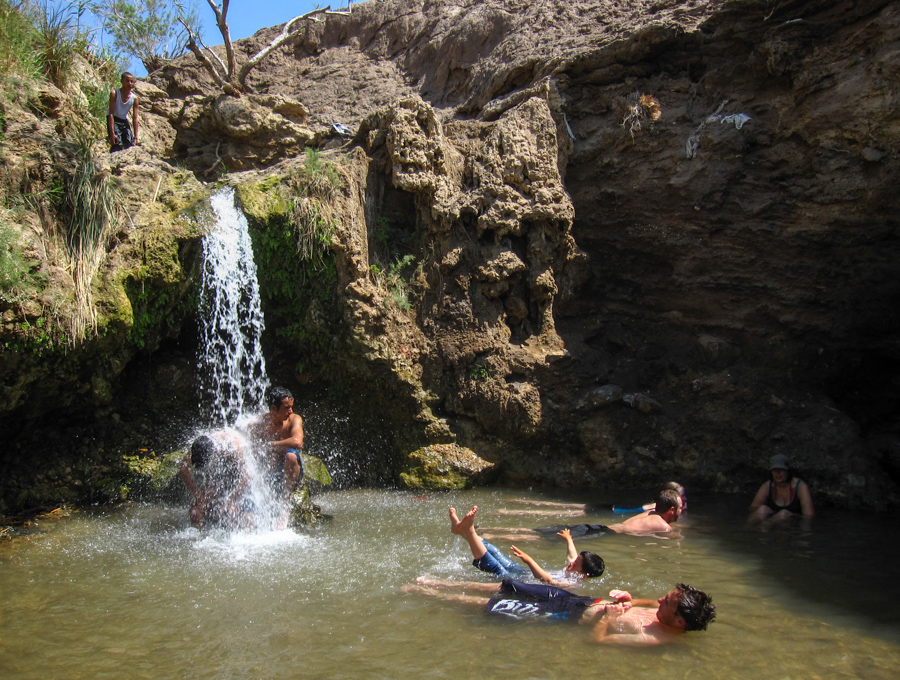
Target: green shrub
319 178
392 281
20 64
59 40
14 267
92 206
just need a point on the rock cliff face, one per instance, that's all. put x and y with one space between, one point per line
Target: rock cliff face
599 244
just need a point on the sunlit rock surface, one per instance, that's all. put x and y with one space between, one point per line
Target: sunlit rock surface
599 291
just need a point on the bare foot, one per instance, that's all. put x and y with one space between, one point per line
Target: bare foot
426 581
415 588
464 525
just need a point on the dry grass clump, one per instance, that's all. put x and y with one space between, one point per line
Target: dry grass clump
92 208
312 214
632 112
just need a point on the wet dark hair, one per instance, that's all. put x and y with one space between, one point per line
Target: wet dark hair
202 450
592 564
277 395
675 486
695 607
126 74
665 499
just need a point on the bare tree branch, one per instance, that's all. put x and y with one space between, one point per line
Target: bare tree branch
208 50
285 34
221 15
225 77
192 46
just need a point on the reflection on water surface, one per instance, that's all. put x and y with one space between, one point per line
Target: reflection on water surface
136 593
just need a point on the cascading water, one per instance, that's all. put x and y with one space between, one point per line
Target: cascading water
231 364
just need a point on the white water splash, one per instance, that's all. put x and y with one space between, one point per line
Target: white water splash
231 364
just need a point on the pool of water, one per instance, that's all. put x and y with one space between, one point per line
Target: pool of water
135 592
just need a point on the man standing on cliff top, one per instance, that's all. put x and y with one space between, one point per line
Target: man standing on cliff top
279 433
122 101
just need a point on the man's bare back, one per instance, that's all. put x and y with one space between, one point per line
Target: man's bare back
645 523
668 510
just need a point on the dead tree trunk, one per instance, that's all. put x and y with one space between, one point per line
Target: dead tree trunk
224 74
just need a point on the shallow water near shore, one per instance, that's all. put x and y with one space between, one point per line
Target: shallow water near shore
135 592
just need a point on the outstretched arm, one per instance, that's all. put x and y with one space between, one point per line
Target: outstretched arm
571 552
534 566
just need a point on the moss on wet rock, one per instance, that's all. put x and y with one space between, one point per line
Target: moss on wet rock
446 467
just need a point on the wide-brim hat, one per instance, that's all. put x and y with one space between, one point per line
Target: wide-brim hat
779 462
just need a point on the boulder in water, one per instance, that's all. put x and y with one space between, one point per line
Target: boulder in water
445 467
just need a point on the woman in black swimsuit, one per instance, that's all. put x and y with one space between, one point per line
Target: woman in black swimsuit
783 495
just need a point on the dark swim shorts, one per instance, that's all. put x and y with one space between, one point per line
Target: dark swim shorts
534 600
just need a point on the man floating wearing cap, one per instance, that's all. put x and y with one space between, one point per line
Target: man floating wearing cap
783 496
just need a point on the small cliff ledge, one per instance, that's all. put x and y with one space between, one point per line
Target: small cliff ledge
599 244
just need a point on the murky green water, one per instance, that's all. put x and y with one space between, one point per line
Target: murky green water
134 593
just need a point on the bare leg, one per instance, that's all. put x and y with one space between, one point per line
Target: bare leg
476 586
550 504
291 473
544 513
465 527
450 597
518 531
507 534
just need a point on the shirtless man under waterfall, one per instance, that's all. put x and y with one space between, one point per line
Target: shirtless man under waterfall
279 433
215 472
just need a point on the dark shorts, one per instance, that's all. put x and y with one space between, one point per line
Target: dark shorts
495 562
276 475
123 132
577 530
534 600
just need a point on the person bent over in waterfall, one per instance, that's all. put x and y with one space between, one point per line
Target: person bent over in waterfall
280 435
488 558
215 473
624 621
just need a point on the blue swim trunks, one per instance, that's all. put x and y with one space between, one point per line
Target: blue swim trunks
495 562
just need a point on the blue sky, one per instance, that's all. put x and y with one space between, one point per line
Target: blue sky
245 17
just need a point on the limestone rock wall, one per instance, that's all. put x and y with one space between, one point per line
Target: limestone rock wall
598 243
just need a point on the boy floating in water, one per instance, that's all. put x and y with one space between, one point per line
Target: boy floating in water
625 621
666 511
488 558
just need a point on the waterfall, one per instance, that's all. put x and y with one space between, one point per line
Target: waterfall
231 364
